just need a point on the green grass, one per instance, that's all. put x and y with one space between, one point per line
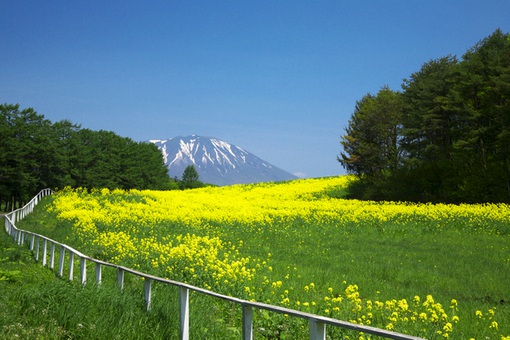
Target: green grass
36 304
386 260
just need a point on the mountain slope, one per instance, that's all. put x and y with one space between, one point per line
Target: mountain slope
217 162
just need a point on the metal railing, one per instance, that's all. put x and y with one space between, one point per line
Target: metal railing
39 244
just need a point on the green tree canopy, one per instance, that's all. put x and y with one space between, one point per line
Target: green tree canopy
35 154
190 178
371 148
448 137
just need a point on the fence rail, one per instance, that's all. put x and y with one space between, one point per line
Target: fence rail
40 244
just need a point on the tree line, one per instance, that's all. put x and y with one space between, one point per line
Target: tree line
36 153
444 138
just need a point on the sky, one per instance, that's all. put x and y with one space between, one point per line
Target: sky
277 78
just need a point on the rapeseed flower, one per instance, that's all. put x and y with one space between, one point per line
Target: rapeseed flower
182 235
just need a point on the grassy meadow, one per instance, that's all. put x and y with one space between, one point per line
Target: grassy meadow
431 270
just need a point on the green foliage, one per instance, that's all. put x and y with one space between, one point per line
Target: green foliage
371 143
452 130
36 154
190 178
10 275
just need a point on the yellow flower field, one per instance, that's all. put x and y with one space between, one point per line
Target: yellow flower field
237 239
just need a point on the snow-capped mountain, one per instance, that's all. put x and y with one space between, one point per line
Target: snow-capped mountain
216 161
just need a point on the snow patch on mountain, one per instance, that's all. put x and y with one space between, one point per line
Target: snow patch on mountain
217 161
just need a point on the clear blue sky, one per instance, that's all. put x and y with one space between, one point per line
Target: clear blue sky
277 78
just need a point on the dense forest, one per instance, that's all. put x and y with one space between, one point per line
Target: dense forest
36 153
444 138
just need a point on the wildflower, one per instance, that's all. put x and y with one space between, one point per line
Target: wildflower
402 305
448 327
337 299
430 300
277 284
453 304
416 300
434 317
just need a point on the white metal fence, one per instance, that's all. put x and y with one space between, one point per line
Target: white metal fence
41 245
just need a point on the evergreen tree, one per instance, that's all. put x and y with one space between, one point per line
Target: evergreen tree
190 178
65 136
371 140
25 143
35 154
430 128
485 149
453 134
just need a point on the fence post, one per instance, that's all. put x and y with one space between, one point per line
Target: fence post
45 243
148 293
184 312
317 330
52 255
120 278
19 237
83 270
32 241
71 265
247 322
61 263
37 249
98 273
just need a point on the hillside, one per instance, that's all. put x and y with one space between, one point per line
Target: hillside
415 268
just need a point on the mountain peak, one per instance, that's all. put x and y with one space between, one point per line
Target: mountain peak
217 161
